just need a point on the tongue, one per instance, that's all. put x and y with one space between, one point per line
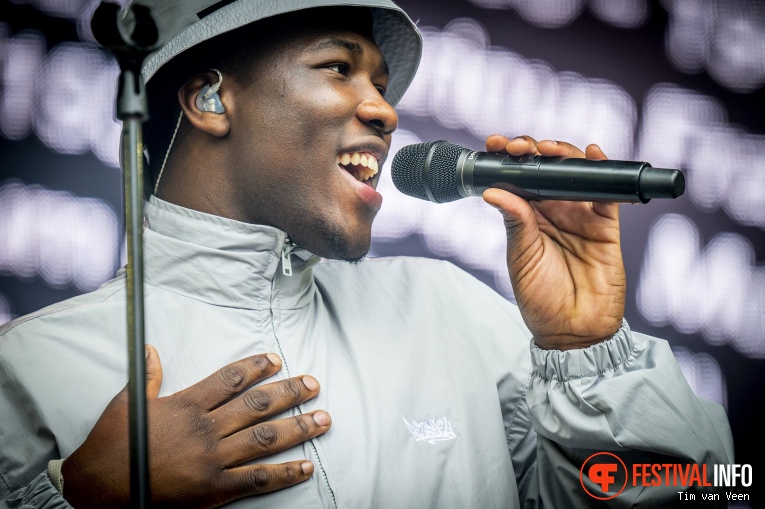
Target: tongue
358 171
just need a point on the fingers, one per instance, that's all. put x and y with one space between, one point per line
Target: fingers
496 143
231 380
517 146
552 148
153 372
260 403
258 479
610 210
594 152
273 436
522 145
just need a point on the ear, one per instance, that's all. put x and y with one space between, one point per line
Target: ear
216 124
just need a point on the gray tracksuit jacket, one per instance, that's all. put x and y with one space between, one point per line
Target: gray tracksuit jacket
438 396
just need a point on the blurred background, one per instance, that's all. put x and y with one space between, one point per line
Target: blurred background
677 83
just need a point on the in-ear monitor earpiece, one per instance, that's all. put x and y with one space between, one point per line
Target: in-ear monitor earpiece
208 98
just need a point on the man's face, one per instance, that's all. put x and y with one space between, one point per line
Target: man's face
314 102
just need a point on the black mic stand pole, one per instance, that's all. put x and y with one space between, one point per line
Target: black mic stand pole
131 35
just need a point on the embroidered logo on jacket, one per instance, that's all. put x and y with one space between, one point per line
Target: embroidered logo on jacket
431 430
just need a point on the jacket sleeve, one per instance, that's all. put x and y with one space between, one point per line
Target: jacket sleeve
38 494
26 441
626 396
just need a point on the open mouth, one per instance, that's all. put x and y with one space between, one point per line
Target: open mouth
362 165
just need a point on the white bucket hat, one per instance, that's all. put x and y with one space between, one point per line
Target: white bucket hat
185 24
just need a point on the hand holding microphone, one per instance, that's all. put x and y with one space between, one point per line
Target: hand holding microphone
564 257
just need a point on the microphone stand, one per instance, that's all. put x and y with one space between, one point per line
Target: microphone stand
131 35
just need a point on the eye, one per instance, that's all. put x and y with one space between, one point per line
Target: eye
380 89
343 69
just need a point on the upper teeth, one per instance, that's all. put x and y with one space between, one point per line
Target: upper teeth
366 164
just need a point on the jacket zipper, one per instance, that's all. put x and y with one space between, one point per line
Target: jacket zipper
323 473
289 246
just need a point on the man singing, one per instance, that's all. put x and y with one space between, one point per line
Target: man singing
271 123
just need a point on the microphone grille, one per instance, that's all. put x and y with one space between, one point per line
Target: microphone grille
442 173
409 164
406 169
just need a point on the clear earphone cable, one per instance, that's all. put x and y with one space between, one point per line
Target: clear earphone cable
212 90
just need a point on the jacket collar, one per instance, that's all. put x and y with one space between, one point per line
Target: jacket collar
221 261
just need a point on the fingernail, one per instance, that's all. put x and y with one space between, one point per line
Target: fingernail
518 138
553 142
310 382
321 418
275 359
146 351
307 467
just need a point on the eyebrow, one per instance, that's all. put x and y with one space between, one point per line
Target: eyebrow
353 47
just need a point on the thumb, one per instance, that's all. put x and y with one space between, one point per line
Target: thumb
520 219
153 372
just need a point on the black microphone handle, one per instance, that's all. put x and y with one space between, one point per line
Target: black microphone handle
557 178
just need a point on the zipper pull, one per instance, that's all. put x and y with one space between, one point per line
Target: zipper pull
286 261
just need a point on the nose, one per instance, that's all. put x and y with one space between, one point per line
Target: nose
375 111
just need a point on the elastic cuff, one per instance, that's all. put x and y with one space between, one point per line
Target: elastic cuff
55 475
585 362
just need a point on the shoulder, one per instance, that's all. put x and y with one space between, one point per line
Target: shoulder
67 341
57 337
59 312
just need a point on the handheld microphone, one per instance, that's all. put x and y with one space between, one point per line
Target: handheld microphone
440 171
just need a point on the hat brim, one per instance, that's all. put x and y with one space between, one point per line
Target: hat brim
394 33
